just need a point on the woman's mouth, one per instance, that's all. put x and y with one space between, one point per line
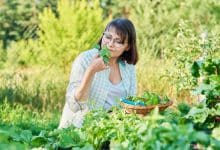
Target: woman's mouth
111 50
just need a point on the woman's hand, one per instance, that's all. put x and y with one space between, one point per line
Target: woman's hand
97 64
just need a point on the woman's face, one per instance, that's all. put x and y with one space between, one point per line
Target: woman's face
114 43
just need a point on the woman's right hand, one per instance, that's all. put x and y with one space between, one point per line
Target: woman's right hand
97 64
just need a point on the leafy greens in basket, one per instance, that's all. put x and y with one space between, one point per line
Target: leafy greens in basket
149 98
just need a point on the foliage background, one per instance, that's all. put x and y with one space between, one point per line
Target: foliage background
40 40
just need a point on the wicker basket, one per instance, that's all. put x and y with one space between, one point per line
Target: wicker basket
143 110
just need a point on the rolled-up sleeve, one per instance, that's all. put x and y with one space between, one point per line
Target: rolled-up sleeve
76 75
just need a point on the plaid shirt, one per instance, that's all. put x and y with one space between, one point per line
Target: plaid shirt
100 84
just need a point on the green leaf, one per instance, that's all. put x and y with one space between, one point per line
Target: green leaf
202 138
97 46
198 115
66 141
215 143
26 136
183 108
37 141
105 54
13 146
195 69
216 133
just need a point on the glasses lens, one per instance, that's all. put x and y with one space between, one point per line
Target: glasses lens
118 44
108 38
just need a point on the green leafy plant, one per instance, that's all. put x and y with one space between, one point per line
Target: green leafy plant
149 98
104 53
123 131
207 73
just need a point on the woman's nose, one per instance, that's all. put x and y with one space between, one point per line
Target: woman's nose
111 43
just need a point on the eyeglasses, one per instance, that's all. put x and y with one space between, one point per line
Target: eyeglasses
107 37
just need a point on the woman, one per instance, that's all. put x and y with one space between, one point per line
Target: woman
94 84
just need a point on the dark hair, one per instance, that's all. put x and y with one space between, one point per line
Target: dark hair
126 30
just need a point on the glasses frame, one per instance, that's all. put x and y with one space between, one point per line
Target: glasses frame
115 42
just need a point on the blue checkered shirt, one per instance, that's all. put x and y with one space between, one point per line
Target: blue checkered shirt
100 84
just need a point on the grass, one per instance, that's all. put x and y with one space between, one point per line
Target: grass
39 88
26 118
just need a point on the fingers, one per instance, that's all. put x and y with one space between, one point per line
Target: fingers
107 66
96 56
98 59
98 64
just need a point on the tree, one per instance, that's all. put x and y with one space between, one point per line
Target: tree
19 19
